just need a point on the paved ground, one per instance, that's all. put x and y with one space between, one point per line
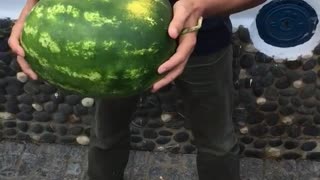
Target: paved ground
20 161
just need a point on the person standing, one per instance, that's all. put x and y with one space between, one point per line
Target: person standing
201 68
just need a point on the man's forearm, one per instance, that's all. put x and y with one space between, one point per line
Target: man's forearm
26 9
224 7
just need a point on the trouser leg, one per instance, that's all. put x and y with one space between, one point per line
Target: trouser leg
110 138
207 89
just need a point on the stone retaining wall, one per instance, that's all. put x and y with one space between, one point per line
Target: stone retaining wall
276 115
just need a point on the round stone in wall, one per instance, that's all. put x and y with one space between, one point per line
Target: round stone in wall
6 116
269 107
41 98
271 94
72 99
261 100
293 64
294 75
310 64
278 70
275 142
247 60
9 124
244 130
297 84
311 130
59 117
24 116
272 118
37 107
87 102
22 77
50 107
25 98
65 108
282 83
309 77
308 91
67 140
246 139
189 149
166 117
308 146
79 110
283 101
76 130
150 134
260 143
163 140
313 156
10 132
41 116
147 145
22 126
48 138
288 92
11 107
57 97
83 140
272 152
36 128
181 137
25 108
165 133
291 144
244 34
47 88
136 139
277 130
32 87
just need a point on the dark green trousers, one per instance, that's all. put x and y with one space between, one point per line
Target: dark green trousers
207 89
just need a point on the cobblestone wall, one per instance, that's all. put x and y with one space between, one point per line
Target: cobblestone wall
277 107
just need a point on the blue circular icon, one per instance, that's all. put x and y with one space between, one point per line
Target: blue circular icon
286 23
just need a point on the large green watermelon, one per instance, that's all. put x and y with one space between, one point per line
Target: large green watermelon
102 48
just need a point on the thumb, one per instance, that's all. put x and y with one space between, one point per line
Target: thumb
180 16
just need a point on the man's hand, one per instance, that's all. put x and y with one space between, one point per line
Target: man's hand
185 15
16 48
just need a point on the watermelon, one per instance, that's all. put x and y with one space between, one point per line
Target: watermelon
100 48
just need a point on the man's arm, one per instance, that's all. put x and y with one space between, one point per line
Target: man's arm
14 40
18 26
221 7
26 9
186 14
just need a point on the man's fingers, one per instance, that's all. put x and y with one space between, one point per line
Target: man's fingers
180 16
172 75
26 68
183 52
